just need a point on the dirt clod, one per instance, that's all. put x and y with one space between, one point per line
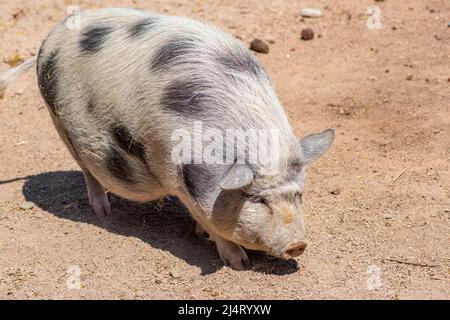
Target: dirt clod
14 60
260 46
307 34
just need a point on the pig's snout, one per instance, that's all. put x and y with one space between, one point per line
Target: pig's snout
295 249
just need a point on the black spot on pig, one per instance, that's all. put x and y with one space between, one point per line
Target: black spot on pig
126 141
197 179
47 71
296 165
242 62
169 55
91 105
202 181
186 96
141 27
117 164
92 39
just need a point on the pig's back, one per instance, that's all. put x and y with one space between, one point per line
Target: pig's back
122 81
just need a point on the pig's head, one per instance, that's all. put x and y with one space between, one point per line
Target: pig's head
263 212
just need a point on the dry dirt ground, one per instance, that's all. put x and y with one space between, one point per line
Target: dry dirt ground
377 206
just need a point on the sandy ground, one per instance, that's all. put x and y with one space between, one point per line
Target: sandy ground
377 206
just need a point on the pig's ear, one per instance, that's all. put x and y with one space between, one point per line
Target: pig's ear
315 145
239 176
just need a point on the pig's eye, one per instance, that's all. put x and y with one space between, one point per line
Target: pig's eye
299 197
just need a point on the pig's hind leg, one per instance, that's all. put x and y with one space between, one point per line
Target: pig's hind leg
98 197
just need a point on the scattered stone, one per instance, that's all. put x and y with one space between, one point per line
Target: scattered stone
18 14
260 46
336 192
409 77
14 60
448 24
307 34
344 111
388 216
311 13
27 205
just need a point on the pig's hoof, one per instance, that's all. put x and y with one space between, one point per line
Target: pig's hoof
100 204
199 232
233 255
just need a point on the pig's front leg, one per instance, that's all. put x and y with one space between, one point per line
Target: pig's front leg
97 196
232 254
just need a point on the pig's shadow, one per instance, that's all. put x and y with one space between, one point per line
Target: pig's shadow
164 225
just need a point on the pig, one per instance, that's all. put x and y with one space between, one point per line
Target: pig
122 81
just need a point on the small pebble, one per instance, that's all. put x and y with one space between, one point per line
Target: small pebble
448 24
307 34
259 46
27 205
336 192
311 13
409 77
344 111
388 216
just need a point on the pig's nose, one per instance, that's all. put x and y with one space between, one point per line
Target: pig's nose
296 249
